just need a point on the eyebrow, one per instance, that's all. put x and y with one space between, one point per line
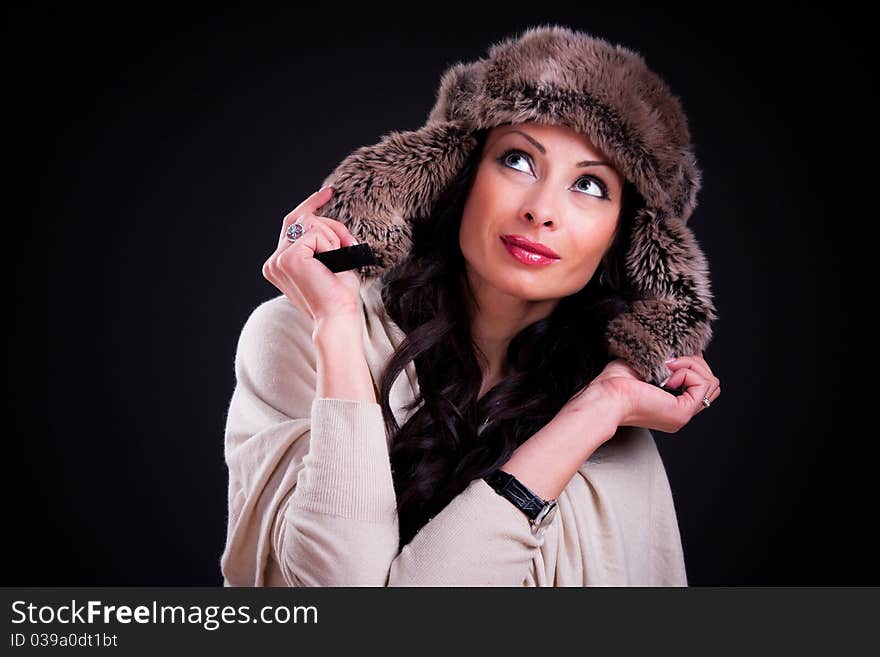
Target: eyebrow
540 147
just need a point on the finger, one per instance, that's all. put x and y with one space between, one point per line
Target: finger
693 362
307 221
715 394
310 205
343 236
341 230
696 386
317 239
705 395
312 224
272 272
281 267
304 210
294 266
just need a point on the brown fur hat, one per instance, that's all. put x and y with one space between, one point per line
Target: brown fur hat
553 74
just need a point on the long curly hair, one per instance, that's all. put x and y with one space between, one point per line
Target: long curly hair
454 437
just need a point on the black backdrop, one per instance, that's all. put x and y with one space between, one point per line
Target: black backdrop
154 154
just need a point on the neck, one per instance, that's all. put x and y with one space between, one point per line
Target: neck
495 318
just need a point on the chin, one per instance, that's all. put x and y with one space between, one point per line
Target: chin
525 288
515 281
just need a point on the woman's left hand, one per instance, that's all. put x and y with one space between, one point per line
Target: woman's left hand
680 375
645 405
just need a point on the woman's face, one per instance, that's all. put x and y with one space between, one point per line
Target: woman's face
529 183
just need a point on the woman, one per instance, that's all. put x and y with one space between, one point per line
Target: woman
479 413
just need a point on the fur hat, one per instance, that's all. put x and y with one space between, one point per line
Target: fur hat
553 74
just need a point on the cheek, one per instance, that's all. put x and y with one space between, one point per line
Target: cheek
480 211
466 232
590 247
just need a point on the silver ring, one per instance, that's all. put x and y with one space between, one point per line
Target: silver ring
706 401
295 231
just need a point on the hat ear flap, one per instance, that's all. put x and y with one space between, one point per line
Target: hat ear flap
667 268
382 189
457 95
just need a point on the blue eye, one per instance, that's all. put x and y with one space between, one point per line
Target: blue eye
516 153
596 183
505 158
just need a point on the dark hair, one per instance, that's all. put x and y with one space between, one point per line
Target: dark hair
441 448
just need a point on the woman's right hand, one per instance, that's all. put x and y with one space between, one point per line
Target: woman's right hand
305 281
633 402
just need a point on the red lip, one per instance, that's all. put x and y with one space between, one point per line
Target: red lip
529 245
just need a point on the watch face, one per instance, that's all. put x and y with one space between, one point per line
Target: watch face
545 517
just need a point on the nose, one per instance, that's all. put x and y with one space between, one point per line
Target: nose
539 207
532 218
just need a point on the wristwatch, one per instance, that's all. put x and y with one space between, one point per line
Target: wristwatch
539 512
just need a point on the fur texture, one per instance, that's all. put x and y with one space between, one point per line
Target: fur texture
553 74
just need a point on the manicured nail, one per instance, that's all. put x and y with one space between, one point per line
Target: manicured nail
663 383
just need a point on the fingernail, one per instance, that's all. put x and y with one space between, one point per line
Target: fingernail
663 383
669 360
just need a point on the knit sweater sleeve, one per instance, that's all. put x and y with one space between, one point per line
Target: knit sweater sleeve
310 484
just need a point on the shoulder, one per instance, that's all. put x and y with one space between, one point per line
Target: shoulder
275 324
275 366
278 334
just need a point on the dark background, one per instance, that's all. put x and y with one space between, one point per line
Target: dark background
154 154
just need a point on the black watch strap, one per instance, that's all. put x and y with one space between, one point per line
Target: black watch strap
506 485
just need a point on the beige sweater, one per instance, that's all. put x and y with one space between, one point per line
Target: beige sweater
312 502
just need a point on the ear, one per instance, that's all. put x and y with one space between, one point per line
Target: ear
673 316
382 189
